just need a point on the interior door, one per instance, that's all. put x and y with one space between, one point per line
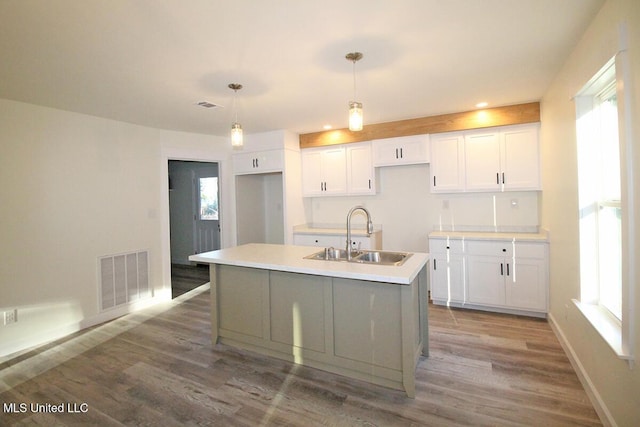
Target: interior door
206 215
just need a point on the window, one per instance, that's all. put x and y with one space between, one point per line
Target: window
603 292
208 198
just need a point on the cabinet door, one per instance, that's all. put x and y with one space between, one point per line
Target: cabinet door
414 149
520 158
447 278
482 161
360 171
447 271
526 285
401 151
269 161
258 162
297 309
447 163
485 280
240 289
324 172
244 163
312 182
334 172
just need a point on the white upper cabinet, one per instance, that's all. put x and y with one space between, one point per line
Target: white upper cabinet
258 162
338 170
496 159
447 163
482 161
405 150
520 158
324 172
265 152
360 170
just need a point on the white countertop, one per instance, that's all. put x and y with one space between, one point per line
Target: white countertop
290 258
541 236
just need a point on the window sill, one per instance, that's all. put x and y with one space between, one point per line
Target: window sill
607 326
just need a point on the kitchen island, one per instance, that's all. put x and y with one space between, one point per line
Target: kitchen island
359 320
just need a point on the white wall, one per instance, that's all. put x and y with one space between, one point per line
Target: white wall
407 211
614 385
76 187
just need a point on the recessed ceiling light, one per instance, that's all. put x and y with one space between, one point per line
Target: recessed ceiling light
481 104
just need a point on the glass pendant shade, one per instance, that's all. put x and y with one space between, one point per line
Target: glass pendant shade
355 116
236 135
236 129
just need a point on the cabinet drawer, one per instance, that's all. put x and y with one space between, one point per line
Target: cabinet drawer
318 240
506 248
490 248
440 246
530 250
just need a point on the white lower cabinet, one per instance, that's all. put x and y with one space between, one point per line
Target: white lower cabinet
447 271
495 275
323 240
486 280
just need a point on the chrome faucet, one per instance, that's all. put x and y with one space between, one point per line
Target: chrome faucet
369 226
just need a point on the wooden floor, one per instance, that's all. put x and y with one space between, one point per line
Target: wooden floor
157 367
187 277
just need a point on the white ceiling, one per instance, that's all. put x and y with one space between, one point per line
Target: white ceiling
150 61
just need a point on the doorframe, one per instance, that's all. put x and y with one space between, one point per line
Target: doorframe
226 202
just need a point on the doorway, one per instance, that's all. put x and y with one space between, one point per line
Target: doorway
194 220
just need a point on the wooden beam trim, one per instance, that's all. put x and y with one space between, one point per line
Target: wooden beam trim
476 119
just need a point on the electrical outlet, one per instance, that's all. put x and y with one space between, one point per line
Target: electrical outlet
10 317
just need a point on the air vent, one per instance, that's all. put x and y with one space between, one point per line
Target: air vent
206 104
123 278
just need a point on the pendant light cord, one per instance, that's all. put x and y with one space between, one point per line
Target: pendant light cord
354 81
235 104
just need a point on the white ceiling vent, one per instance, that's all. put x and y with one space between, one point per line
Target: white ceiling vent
207 104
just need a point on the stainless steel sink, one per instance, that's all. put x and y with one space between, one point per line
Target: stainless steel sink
329 254
385 258
362 257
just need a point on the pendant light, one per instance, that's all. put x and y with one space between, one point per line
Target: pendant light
236 128
355 107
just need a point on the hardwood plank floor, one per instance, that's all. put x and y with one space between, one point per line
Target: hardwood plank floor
187 277
158 367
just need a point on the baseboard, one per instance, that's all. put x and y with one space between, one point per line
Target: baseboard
25 345
596 400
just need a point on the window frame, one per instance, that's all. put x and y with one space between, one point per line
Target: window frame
618 333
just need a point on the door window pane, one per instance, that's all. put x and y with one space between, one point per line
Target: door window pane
208 198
